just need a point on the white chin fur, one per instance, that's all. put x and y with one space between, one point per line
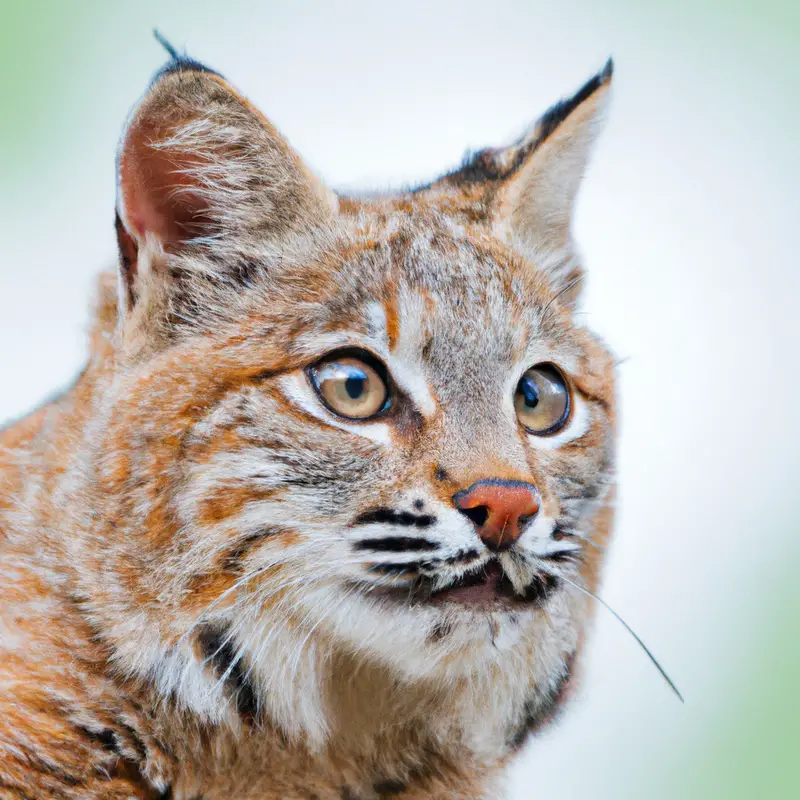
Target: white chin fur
424 642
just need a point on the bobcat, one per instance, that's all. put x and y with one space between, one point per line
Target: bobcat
320 517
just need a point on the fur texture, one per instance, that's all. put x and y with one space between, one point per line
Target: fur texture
214 586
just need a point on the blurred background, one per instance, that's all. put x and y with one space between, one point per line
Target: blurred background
688 221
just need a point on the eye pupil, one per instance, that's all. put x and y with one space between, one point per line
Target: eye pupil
350 387
530 392
354 385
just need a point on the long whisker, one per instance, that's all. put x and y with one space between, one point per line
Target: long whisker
561 292
630 630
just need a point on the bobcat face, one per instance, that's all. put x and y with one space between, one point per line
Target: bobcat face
440 357
369 426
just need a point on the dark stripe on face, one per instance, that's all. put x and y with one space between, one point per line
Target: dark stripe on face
539 589
563 557
389 516
246 545
218 649
113 741
462 558
104 738
395 544
397 569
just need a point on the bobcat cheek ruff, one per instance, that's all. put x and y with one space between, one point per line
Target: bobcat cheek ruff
310 520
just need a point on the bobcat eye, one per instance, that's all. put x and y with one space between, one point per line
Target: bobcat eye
542 400
350 387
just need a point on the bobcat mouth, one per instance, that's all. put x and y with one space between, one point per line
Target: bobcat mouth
486 587
489 586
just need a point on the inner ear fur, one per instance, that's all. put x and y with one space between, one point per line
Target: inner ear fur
198 164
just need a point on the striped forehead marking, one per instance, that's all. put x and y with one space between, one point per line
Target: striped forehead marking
403 356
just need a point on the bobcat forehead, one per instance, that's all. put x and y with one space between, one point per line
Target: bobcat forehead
308 521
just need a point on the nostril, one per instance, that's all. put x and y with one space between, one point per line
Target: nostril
478 514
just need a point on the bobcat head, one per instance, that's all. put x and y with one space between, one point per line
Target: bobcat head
337 431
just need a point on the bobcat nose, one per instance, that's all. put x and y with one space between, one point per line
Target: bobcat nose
498 509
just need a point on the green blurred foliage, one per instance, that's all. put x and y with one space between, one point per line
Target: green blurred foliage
38 51
749 749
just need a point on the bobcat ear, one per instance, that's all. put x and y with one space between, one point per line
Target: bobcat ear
531 186
198 165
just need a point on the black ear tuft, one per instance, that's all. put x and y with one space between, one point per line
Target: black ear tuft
166 44
557 113
498 164
178 62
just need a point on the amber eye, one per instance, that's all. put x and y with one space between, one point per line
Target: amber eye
542 400
350 387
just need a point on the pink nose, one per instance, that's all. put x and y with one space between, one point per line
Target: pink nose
499 509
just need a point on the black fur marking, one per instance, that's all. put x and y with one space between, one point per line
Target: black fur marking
561 531
395 544
135 741
563 557
391 517
419 504
461 558
389 788
540 588
104 738
244 546
218 649
440 631
402 568
246 272
540 711
178 62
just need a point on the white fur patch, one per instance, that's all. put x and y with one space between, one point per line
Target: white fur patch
405 361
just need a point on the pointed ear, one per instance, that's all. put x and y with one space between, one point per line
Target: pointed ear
199 166
531 186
